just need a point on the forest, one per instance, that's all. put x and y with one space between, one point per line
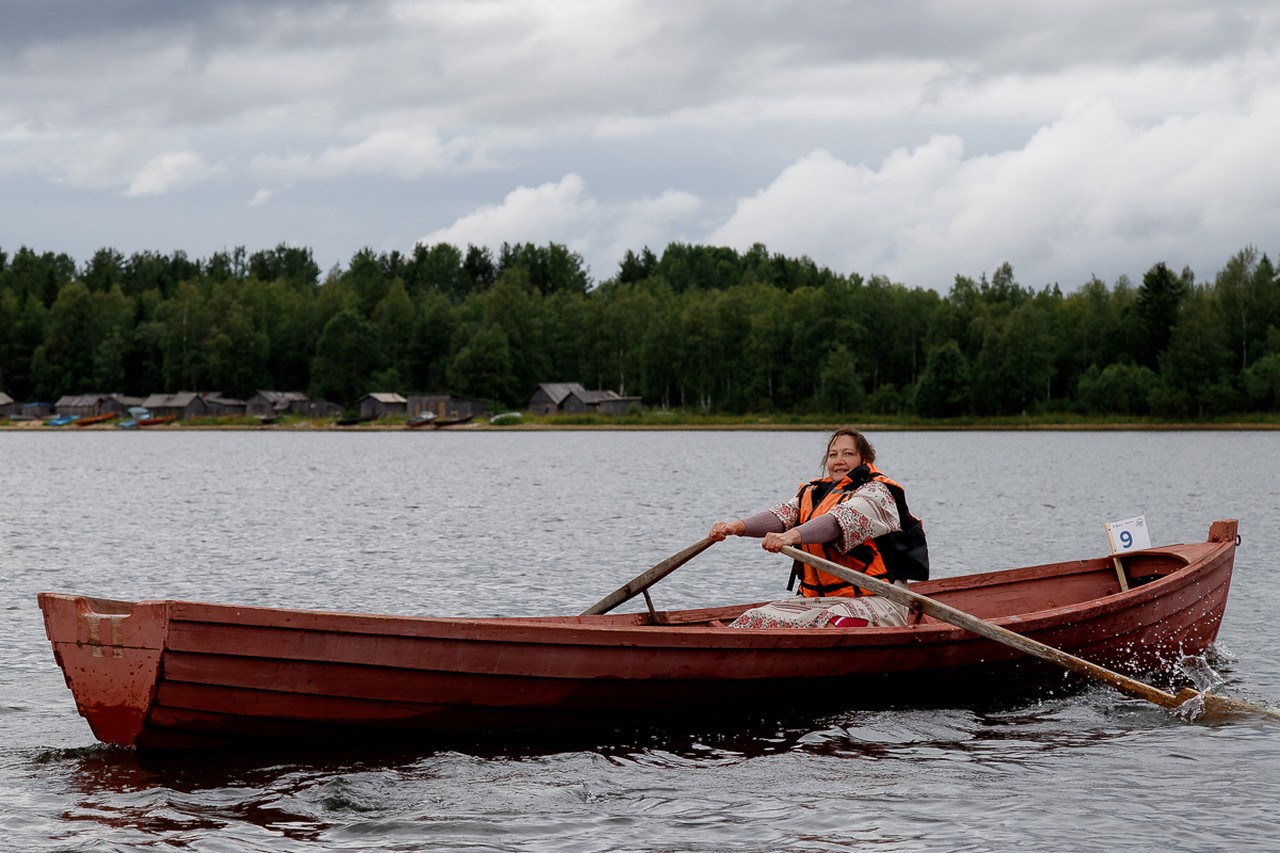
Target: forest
697 328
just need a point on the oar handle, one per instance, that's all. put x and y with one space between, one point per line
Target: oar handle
982 628
643 581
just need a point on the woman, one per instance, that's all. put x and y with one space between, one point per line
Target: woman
848 517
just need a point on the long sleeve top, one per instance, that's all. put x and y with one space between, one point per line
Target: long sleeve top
870 512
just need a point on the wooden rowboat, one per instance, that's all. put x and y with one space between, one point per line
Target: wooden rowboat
164 673
96 419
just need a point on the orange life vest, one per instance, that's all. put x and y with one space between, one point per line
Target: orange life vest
821 496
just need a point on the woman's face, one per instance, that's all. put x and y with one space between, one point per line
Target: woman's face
842 456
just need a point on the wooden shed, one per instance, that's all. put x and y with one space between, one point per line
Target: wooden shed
566 398
382 403
270 404
183 405
445 406
219 406
83 405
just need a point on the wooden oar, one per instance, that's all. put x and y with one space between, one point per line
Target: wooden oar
642 582
1212 702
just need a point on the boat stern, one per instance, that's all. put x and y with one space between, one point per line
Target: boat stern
109 652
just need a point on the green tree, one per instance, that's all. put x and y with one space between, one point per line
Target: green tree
237 352
434 325
394 317
943 390
1015 365
483 365
1197 358
438 268
1159 303
186 328
78 324
1122 389
841 387
39 276
294 266
346 358
1261 382
550 269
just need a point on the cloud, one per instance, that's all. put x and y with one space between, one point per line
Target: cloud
1089 193
916 140
565 212
133 161
403 152
555 212
168 172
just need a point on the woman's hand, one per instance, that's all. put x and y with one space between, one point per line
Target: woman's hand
721 529
774 541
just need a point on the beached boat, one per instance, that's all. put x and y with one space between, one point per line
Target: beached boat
96 419
426 420
165 673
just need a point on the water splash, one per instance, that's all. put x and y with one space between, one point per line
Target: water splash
1202 675
1205 678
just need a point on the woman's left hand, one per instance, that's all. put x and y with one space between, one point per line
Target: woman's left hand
774 541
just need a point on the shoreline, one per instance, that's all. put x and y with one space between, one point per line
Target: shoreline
303 426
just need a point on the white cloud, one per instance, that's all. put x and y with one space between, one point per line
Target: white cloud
168 172
261 197
1089 193
403 152
134 161
565 212
551 212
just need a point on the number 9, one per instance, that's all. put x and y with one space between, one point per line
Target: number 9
1126 539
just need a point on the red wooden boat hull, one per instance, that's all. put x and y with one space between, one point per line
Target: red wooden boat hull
160 674
96 419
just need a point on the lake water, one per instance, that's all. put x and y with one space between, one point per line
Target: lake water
507 523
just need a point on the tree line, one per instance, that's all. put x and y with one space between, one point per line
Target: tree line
703 328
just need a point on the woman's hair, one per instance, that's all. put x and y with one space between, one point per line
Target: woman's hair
865 450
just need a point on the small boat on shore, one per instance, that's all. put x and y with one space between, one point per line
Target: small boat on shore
426 420
172 674
96 419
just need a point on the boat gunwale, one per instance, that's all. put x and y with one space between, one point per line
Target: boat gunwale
626 630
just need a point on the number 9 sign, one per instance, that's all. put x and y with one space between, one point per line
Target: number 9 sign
1131 534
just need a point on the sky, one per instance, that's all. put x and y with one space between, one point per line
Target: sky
912 140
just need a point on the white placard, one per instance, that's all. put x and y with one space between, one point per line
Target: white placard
1131 534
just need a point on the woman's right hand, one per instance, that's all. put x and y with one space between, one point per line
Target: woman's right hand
722 529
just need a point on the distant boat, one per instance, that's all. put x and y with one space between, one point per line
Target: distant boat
143 418
426 419
96 419
454 421
62 420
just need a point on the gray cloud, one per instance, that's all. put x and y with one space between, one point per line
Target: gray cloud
913 139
